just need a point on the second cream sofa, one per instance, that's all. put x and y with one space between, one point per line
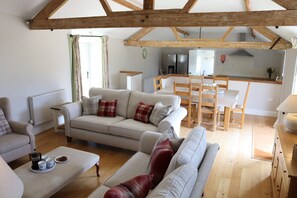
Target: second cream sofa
120 131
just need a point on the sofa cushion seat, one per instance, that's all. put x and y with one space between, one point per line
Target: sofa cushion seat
136 165
99 192
131 128
95 123
13 141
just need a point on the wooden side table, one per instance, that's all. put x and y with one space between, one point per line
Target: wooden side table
284 167
56 114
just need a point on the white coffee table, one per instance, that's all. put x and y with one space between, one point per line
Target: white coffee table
38 185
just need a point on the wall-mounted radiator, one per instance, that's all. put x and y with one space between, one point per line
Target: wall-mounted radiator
39 105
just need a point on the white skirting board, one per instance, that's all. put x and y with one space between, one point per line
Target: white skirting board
39 105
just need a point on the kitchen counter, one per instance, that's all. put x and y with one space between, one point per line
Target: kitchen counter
234 78
250 79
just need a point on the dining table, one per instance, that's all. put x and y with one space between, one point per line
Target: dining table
227 98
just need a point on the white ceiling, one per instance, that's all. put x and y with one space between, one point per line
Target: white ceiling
26 9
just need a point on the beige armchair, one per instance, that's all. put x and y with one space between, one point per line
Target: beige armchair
18 143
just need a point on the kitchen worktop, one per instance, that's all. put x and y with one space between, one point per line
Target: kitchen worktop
234 78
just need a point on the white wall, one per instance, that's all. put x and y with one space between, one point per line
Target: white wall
249 66
123 58
31 62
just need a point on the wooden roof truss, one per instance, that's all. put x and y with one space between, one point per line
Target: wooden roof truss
149 19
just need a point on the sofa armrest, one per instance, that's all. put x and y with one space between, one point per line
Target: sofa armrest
173 119
204 169
24 129
69 112
147 141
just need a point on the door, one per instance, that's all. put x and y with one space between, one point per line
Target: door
201 62
91 63
169 63
182 64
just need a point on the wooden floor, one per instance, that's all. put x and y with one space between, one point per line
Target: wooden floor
234 173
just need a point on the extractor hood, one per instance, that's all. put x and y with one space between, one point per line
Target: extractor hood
242 52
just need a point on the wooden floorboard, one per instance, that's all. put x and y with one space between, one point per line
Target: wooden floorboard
234 173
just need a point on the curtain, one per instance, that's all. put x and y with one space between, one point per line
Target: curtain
105 66
76 69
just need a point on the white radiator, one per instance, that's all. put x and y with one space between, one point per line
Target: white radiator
39 105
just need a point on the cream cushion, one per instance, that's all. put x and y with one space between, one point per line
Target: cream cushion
114 94
99 192
137 165
10 184
131 128
159 112
90 105
92 123
4 125
191 150
178 184
13 141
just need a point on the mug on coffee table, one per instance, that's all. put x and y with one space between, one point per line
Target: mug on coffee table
42 165
49 163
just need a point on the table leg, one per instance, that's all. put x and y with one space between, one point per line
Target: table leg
227 118
97 169
56 120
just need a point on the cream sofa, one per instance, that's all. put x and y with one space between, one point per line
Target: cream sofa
120 131
187 172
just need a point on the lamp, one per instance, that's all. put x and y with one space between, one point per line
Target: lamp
289 105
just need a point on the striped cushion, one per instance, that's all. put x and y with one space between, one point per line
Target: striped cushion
159 113
143 112
4 126
90 105
107 108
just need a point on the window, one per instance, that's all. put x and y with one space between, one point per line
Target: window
91 63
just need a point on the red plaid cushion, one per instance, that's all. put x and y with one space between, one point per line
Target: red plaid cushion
143 112
107 108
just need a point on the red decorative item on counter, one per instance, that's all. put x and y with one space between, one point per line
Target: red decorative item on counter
223 58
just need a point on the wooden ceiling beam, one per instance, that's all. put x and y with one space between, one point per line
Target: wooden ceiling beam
189 5
128 4
265 32
182 31
173 29
275 42
270 35
140 33
227 33
288 4
206 44
167 18
49 9
106 7
248 9
148 4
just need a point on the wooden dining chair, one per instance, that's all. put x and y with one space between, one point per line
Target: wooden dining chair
208 104
223 82
158 83
195 99
185 92
196 79
241 108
